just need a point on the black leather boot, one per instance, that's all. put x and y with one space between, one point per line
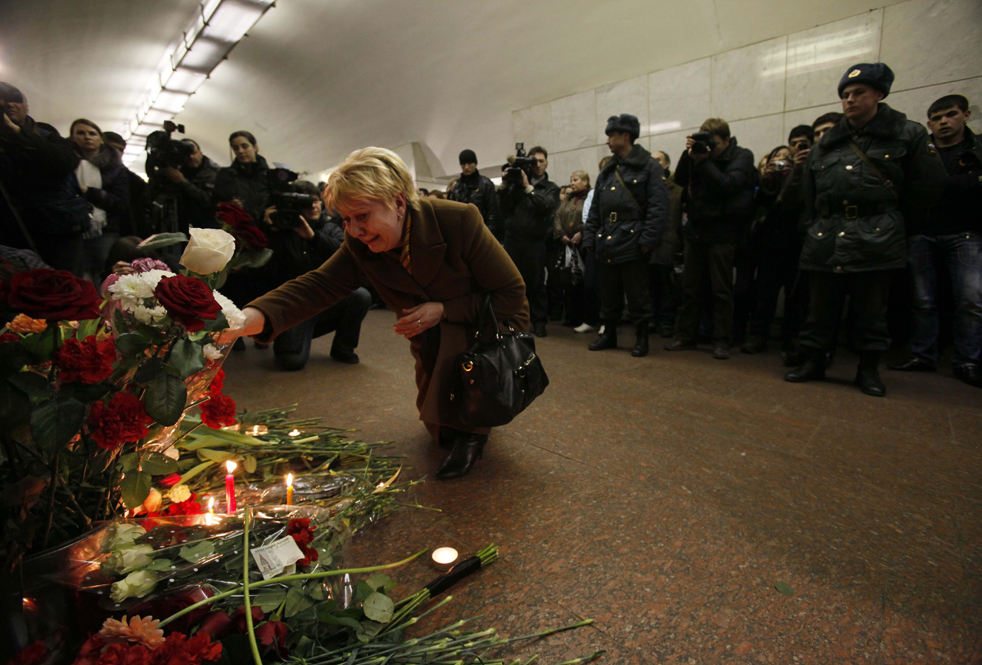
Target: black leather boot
607 340
812 370
868 375
640 349
466 450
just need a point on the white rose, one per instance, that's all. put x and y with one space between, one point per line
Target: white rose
208 251
127 559
179 493
121 535
234 316
136 584
211 352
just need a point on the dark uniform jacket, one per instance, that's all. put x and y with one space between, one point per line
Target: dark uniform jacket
618 226
671 237
480 191
247 182
855 222
720 194
528 217
960 209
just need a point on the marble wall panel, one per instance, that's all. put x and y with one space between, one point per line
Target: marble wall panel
533 125
678 97
761 134
818 57
915 103
630 96
672 144
574 122
749 81
562 164
806 116
927 42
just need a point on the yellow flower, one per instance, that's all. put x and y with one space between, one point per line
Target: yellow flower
141 631
24 324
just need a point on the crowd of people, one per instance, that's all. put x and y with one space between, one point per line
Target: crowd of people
869 225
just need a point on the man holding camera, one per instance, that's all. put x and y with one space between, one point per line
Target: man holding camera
528 200
719 178
627 216
472 187
195 184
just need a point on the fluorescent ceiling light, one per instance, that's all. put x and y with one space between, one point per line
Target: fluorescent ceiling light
155 117
145 130
172 102
184 80
204 54
233 19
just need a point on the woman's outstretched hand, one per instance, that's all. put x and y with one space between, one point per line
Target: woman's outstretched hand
255 321
417 319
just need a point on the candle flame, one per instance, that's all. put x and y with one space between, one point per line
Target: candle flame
289 480
211 504
444 555
230 465
295 432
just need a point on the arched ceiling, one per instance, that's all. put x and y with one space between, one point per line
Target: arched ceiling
316 79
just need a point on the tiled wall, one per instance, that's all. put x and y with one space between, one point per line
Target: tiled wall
765 89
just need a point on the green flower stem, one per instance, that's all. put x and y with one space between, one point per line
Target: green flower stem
288 578
245 589
552 631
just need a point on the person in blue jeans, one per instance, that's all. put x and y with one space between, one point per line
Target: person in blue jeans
950 242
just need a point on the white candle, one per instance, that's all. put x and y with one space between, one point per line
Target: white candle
444 558
295 432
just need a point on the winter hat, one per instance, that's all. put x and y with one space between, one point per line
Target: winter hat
625 122
877 75
10 94
468 157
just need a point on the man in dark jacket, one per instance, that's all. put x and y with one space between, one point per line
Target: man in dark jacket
472 187
39 207
195 183
298 251
719 179
950 243
527 207
627 217
139 190
871 174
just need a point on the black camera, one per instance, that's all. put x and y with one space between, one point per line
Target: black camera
704 142
516 164
162 150
289 203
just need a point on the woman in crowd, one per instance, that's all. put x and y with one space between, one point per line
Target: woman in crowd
103 182
567 228
246 181
431 261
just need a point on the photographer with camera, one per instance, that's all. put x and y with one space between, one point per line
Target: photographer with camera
627 216
719 178
472 187
298 249
527 201
195 183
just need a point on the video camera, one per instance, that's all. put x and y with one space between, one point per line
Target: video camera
162 150
704 142
289 203
516 164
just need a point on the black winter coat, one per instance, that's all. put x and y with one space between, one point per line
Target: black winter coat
855 221
960 209
114 195
247 182
720 194
195 201
480 191
528 217
294 256
621 222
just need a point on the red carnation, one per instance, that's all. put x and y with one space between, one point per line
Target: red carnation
9 337
89 361
53 295
251 236
122 420
216 385
233 215
218 412
302 533
188 301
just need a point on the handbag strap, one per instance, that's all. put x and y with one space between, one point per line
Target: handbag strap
487 312
627 189
876 171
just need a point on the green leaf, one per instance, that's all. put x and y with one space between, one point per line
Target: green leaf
42 345
195 553
85 392
217 456
339 620
219 323
149 370
249 464
160 564
30 383
129 462
135 487
379 607
15 407
188 357
362 592
269 600
13 357
165 399
367 630
87 327
159 240
784 588
296 601
381 582
157 464
131 344
55 422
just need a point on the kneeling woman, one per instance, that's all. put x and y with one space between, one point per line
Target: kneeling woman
431 261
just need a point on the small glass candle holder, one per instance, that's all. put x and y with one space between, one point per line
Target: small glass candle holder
444 558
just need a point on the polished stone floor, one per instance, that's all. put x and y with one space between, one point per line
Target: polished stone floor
667 497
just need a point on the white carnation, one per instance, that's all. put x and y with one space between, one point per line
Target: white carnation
130 290
179 494
148 315
234 316
211 352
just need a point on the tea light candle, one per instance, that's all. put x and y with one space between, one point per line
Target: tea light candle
230 488
294 432
210 517
289 489
256 430
444 558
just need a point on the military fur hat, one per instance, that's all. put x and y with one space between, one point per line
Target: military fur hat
625 122
876 75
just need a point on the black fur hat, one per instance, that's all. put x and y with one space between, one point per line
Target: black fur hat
625 122
876 75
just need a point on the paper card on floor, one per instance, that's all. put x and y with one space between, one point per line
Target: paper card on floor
272 559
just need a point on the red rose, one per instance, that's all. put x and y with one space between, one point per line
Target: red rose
53 295
9 337
233 215
89 361
274 633
171 480
216 625
187 300
122 420
218 412
216 385
251 236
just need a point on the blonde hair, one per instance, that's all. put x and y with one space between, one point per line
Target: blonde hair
582 175
370 173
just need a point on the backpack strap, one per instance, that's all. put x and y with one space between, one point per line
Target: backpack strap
876 171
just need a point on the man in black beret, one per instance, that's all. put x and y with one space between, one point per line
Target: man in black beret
472 187
872 174
627 217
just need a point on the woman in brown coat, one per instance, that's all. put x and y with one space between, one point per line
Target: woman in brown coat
431 261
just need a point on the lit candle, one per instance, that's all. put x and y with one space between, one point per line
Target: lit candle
210 517
295 432
289 489
230 488
444 558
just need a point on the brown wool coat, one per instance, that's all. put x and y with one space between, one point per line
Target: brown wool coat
455 261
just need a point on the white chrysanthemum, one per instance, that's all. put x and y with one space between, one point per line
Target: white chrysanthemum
234 316
179 493
130 290
148 315
211 352
152 277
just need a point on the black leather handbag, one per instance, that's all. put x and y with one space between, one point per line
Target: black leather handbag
498 377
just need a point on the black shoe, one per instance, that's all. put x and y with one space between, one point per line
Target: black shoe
721 351
539 330
640 349
915 364
968 373
793 358
346 357
667 330
607 339
262 347
466 450
754 345
829 359
681 345
812 370
868 380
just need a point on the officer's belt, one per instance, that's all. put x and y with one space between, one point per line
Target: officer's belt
859 210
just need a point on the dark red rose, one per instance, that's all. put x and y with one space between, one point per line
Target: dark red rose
53 295
233 215
9 337
187 300
218 412
274 633
121 421
239 618
33 654
251 236
217 624
216 385
88 361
